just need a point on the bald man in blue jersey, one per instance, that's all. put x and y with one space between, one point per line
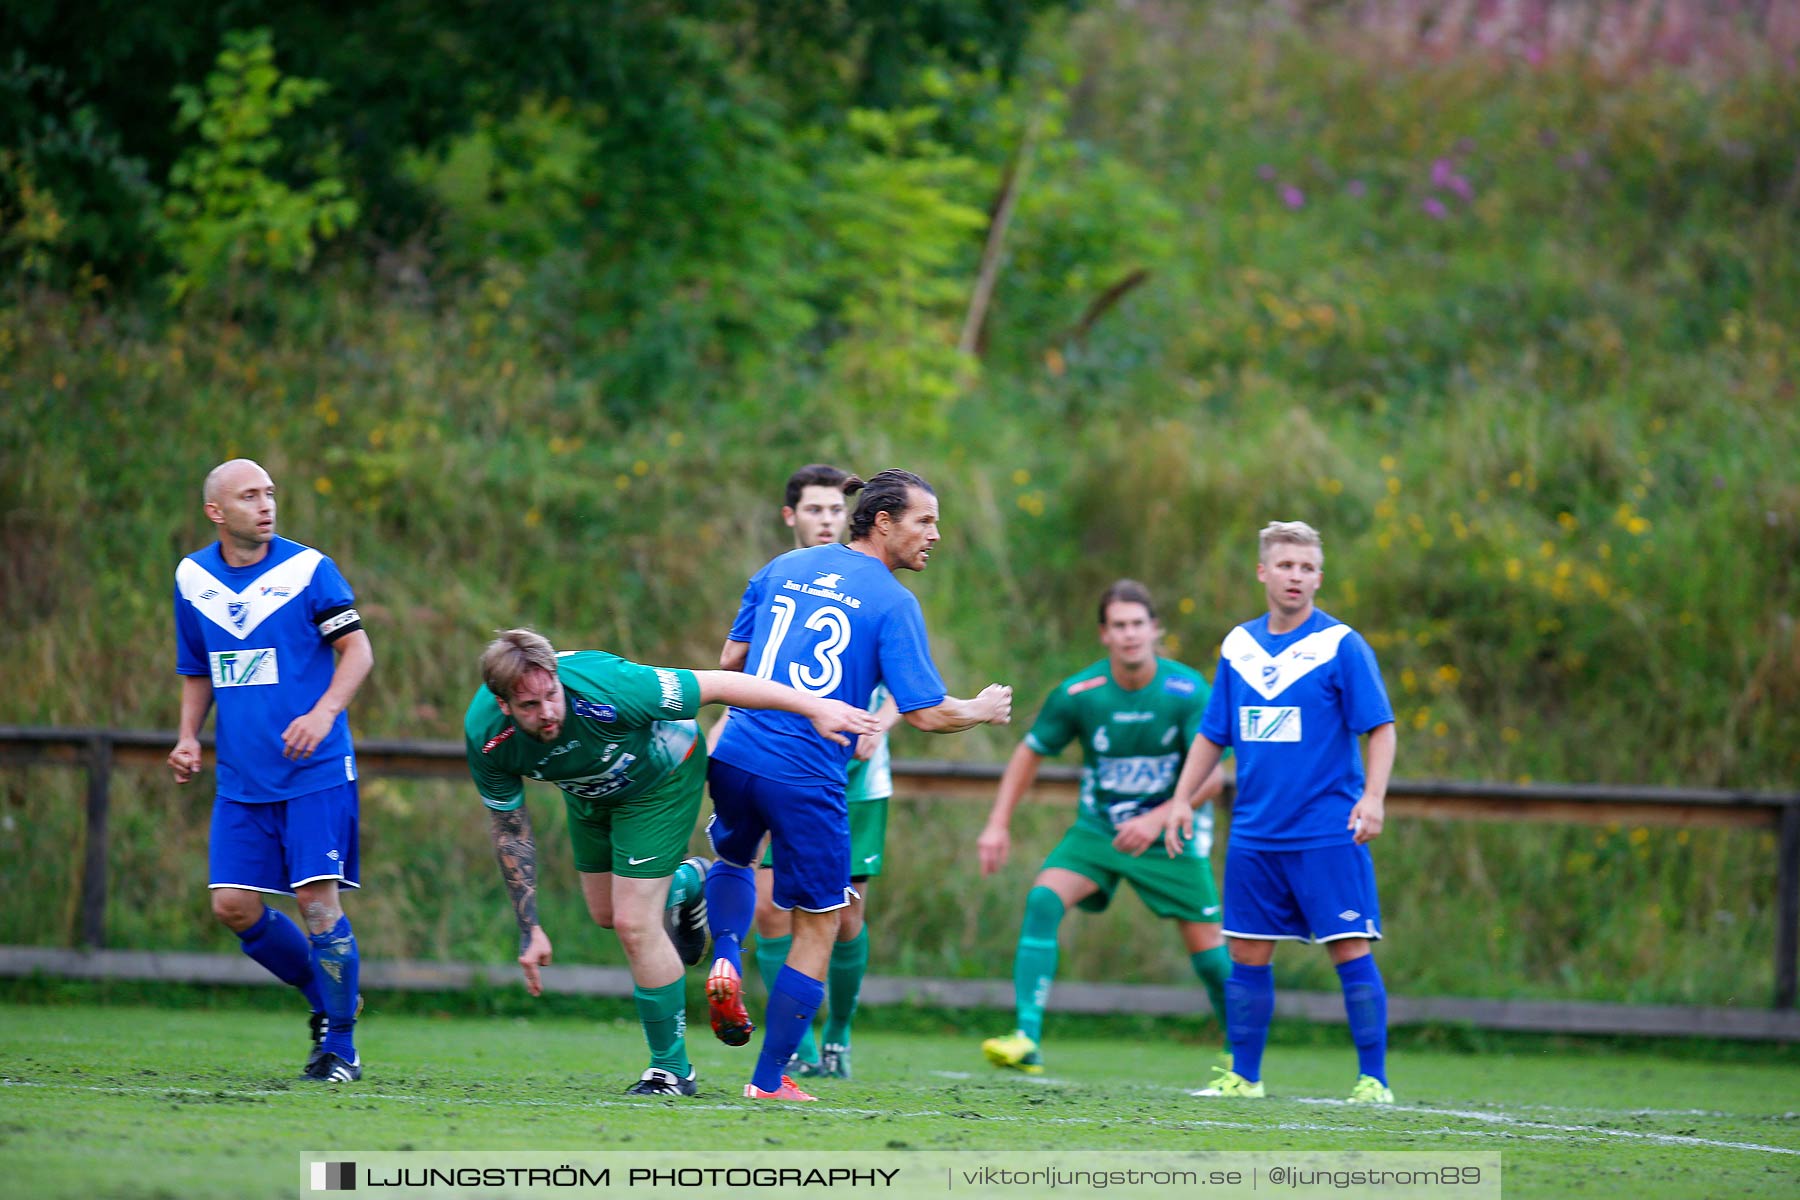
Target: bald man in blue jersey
267 630
1293 692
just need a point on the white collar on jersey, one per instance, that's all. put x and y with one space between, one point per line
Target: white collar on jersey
1270 675
239 613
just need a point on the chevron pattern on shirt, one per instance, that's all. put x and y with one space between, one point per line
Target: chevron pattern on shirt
239 613
1270 675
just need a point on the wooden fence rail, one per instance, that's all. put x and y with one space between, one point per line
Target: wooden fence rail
99 751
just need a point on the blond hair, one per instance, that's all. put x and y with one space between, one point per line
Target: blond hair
511 656
1297 533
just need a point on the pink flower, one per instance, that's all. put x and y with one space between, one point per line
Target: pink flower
1292 196
1356 188
1434 208
1461 186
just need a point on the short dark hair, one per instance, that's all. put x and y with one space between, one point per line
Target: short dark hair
888 491
1126 591
817 475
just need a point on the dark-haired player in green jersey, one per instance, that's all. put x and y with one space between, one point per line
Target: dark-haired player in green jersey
1135 715
620 740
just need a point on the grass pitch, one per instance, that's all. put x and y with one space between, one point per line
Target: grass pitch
109 1101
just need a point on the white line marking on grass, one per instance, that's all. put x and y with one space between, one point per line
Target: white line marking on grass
953 1074
1498 1118
1552 1132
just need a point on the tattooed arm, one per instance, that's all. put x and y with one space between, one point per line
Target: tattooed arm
518 867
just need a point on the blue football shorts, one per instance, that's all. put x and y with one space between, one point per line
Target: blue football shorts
277 846
808 826
1301 895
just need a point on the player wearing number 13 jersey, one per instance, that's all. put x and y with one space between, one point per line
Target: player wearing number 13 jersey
831 620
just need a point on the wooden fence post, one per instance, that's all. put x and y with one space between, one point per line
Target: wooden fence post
93 870
1787 905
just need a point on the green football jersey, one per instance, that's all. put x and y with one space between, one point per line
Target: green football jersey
871 778
1133 743
625 728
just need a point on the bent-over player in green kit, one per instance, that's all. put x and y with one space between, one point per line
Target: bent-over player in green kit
621 742
1134 714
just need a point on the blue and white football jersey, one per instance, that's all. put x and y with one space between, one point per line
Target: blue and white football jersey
1292 707
263 634
835 622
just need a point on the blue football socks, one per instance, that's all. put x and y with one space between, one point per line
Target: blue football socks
277 943
335 964
1249 1008
730 906
1365 1004
793 1002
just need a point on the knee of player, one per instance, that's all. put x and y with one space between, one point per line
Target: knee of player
634 928
603 917
772 922
239 910
850 922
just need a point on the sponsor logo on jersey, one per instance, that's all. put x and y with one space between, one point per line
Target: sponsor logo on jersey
820 588
1121 811
1127 718
593 787
671 689
1140 776
1178 686
208 594
244 668
280 593
593 711
559 751
1086 685
499 737
1268 724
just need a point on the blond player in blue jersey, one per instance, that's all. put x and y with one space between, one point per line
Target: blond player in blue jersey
1294 691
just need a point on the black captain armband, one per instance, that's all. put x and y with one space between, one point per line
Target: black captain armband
337 622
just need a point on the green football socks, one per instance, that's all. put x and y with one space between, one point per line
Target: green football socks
663 1011
843 983
1034 966
1214 968
771 955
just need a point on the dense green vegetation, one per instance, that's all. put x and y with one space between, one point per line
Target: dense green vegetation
1519 336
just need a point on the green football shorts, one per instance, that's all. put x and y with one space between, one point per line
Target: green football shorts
644 837
1178 888
868 839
